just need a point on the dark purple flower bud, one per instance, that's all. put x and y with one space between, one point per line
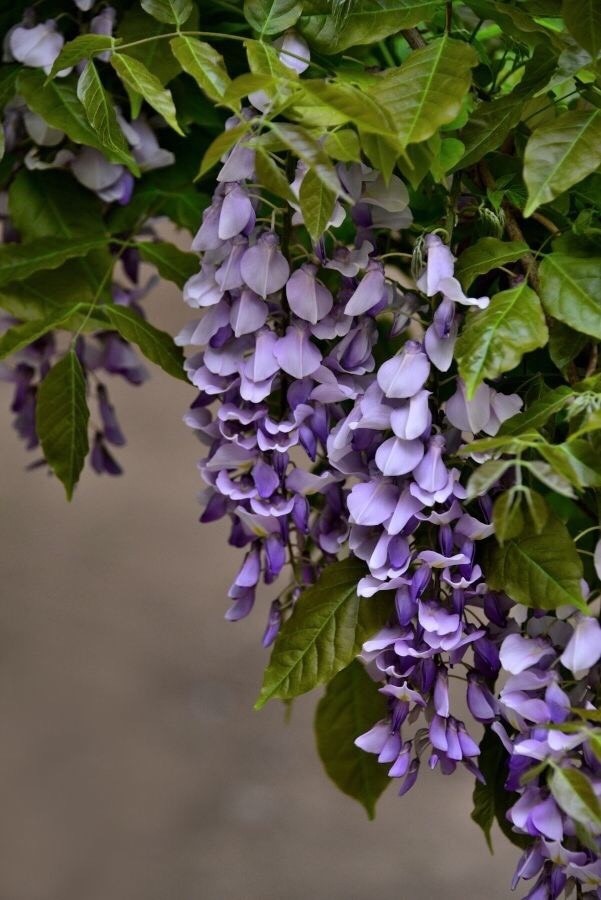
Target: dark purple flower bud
102 461
215 509
275 557
274 622
249 573
265 478
242 605
486 658
410 778
445 539
480 700
300 513
111 429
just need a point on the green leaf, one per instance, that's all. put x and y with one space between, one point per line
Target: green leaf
507 515
57 103
542 571
574 794
576 461
427 91
539 412
564 343
137 78
156 54
62 420
22 335
156 345
20 260
307 149
382 152
324 633
365 22
491 799
99 109
583 21
53 203
271 177
222 143
204 64
351 705
561 153
271 16
323 104
550 477
83 47
172 12
174 264
571 291
486 254
343 145
486 476
494 339
316 203
488 127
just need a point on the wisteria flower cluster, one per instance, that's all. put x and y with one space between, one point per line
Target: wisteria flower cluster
394 346
316 452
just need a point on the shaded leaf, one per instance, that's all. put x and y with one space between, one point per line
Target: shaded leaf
571 291
427 91
492 800
583 21
324 633
156 345
574 794
62 420
26 333
53 203
20 260
542 571
486 476
173 264
307 149
493 340
204 64
561 153
351 705
539 412
271 16
137 78
220 146
271 176
173 12
489 125
82 47
366 22
100 112
343 145
316 203
486 254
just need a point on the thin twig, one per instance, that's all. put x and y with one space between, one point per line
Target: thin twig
514 231
414 38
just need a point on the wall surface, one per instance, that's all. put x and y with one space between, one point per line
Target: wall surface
132 765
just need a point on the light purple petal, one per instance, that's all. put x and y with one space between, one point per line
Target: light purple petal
235 212
307 297
372 503
367 294
440 264
584 647
264 268
397 457
404 375
296 353
412 417
248 313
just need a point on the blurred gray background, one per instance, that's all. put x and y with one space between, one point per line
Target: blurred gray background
132 764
